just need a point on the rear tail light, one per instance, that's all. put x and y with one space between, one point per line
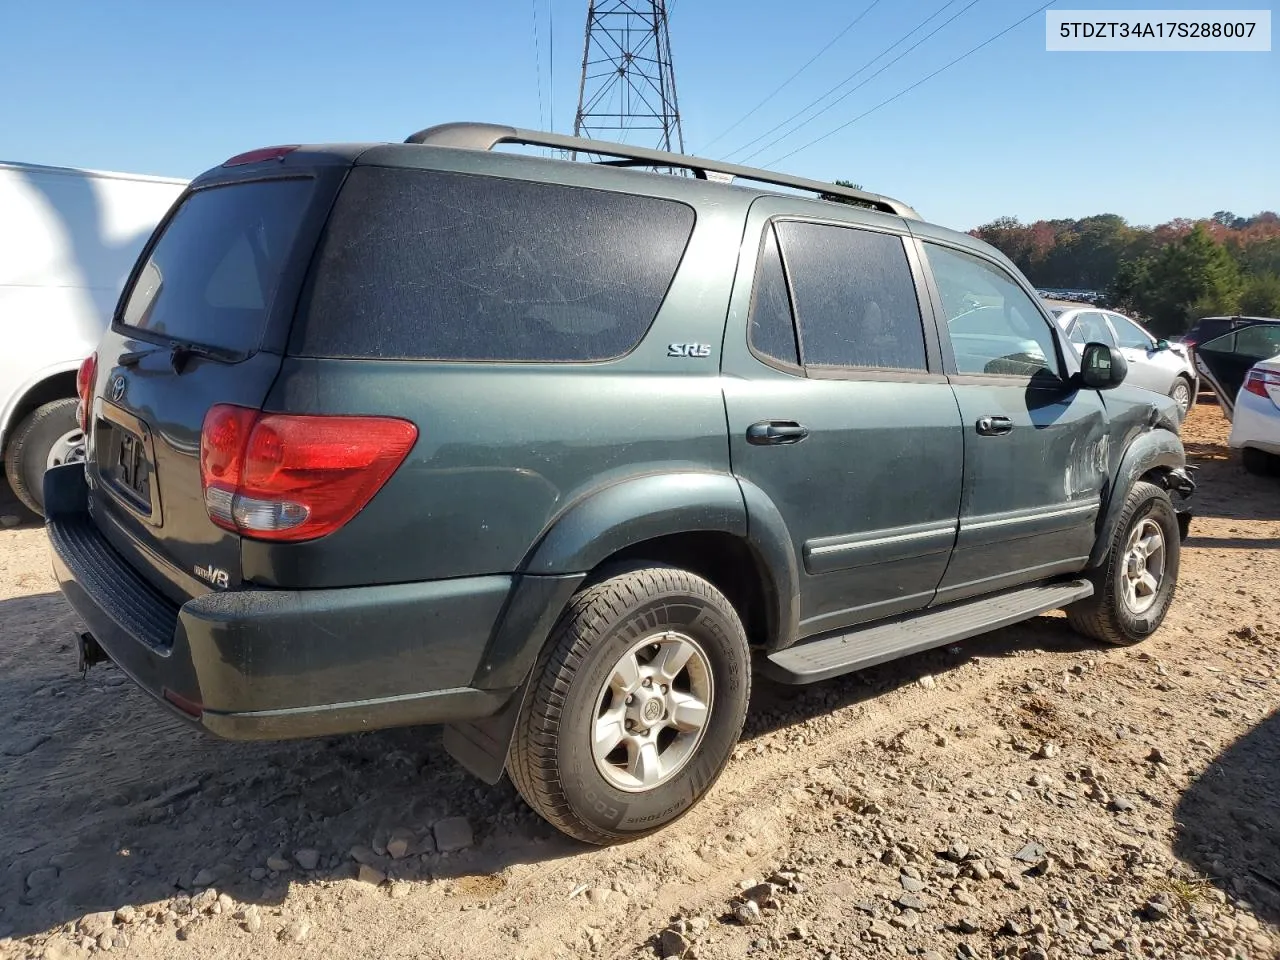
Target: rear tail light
274 476
1258 381
85 377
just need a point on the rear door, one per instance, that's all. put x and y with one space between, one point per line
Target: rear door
1225 360
843 421
203 320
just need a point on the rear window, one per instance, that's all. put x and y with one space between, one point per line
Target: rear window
423 265
212 276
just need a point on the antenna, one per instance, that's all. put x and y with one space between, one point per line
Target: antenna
628 83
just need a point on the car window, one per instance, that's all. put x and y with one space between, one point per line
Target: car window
1129 334
855 299
213 273
772 329
1262 342
428 265
994 325
1090 327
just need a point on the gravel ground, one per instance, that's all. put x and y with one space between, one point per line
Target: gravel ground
1027 794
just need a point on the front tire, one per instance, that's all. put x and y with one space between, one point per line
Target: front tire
1135 584
1180 393
636 705
48 436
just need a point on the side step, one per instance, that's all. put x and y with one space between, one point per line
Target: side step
819 659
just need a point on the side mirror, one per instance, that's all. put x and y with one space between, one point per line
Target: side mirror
1102 367
1163 344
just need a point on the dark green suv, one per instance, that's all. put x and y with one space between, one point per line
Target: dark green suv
557 453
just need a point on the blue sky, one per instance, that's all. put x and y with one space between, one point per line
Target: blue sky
172 88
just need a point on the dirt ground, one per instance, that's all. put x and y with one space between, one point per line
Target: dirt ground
1027 794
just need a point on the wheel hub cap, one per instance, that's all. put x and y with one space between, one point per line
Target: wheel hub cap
652 712
1143 566
68 448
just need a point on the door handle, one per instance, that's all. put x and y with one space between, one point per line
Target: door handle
994 426
769 432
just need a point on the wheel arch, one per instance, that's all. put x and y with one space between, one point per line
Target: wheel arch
697 521
57 383
1156 456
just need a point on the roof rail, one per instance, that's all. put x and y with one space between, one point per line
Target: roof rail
486 136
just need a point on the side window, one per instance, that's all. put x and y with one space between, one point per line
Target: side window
1090 327
994 325
855 299
1129 334
772 330
1261 342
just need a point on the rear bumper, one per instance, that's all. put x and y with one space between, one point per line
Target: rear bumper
1256 423
276 664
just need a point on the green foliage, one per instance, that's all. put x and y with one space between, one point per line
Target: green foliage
1170 274
1189 278
1261 296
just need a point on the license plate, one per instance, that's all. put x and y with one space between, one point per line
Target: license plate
132 467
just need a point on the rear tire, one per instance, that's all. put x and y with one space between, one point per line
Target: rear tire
47 436
1260 462
590 691
1126 606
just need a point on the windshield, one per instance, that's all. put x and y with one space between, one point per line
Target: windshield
212 276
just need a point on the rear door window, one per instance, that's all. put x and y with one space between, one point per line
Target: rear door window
855 298
772 328
212 276
1089 326
425 265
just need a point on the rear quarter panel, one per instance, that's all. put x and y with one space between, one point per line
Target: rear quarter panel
505 449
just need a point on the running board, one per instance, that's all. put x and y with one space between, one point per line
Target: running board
820 659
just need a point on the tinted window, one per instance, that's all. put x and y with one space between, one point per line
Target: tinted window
994 325
1091 327
1129 334
855 300
772 329
1262 342
428 265
212 275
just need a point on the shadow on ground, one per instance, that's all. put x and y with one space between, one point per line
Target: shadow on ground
1228 821
106 799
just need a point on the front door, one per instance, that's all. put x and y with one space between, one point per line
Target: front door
1035 449
840 415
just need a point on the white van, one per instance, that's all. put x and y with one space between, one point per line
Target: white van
68 239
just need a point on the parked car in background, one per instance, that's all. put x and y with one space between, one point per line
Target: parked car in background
556 453
68 239
1159 365
1255 428
1226 359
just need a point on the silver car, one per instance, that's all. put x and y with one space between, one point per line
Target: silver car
1153 363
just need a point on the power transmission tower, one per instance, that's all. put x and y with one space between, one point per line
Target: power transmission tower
628 83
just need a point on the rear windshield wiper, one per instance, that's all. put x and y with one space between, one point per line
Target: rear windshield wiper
182 352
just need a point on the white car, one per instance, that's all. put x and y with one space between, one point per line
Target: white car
1255 428
1155 364
68 239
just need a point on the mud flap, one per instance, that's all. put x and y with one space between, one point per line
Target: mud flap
481 746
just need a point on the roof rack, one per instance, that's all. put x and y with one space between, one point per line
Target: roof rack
486 136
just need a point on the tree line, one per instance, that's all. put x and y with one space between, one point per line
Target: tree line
1168 275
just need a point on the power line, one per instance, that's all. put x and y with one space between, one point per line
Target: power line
814 102
904 92
537 54
808 63
858 86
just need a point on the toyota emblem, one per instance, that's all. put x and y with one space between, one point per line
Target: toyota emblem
117 388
